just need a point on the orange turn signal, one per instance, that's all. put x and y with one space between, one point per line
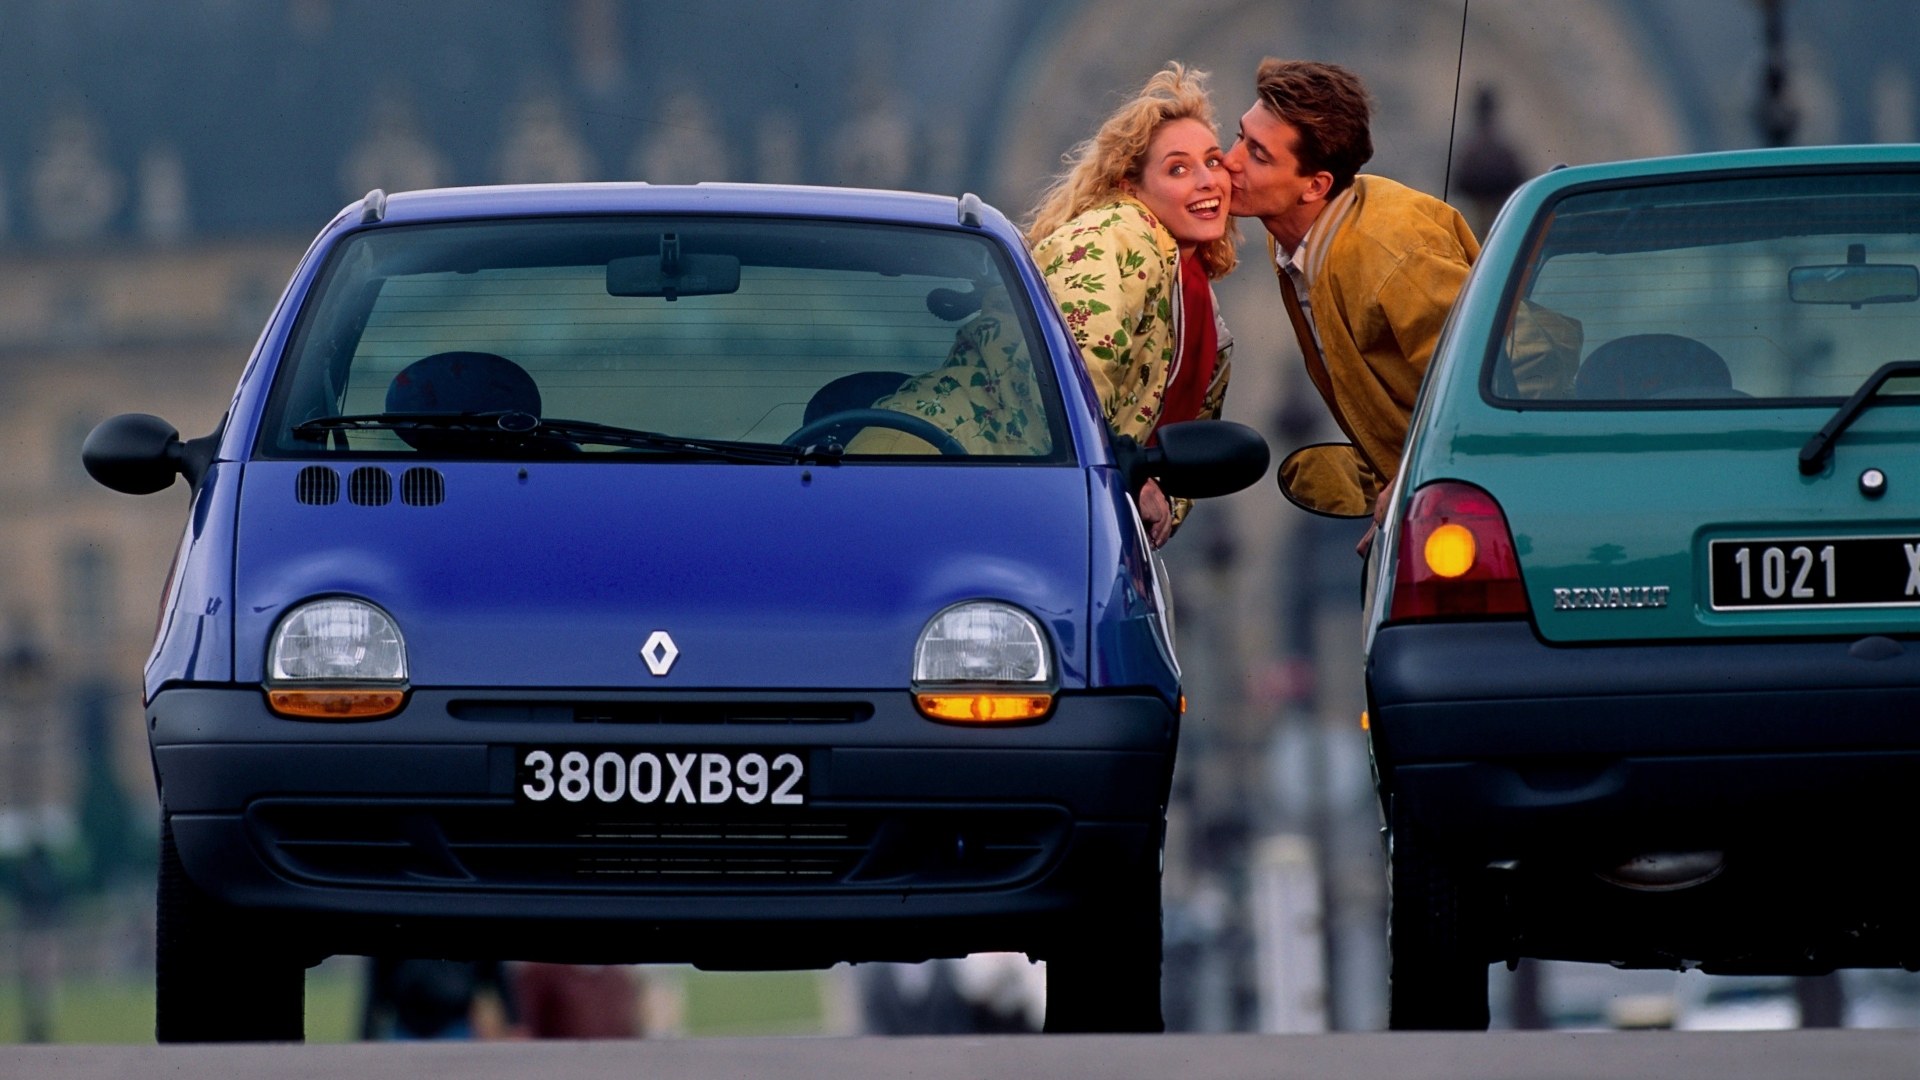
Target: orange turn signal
337 704
1450 550
984 708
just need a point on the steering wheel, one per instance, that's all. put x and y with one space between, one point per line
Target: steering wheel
841 426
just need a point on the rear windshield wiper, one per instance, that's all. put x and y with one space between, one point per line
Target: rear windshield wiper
1814 455
519 425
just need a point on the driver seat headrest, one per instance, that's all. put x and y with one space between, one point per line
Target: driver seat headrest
1648 365
462 382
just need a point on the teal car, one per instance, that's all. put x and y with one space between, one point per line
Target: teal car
1642 653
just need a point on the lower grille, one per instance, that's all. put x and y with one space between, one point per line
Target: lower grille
824 850
486 844
664 712
821 851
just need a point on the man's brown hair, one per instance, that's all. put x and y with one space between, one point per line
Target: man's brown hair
1328 106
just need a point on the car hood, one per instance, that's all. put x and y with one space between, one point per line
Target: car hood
765 577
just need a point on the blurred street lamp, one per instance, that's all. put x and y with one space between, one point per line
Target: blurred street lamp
1775 113
1489 169
23 686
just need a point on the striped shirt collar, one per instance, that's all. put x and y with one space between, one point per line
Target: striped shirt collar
1311 255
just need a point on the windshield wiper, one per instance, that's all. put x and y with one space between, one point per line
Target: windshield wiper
1814 455
607 435
513 424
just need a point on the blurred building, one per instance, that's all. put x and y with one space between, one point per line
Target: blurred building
87 331
163 164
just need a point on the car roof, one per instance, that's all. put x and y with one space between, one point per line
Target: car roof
514 200
1794 157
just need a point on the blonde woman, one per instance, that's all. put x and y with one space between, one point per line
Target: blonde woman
1130 239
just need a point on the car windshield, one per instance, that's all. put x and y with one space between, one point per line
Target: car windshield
1718 293
594 337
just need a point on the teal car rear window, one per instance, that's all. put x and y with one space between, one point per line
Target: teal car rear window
749 331
1715 293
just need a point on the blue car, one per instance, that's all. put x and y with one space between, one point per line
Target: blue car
724 574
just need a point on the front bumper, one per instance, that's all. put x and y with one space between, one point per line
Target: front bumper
403 833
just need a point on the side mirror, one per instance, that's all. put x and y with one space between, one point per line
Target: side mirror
139 454
1329 479
1196 459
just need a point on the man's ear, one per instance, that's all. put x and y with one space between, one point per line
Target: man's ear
1318 187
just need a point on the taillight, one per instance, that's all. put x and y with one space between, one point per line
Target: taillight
1456 557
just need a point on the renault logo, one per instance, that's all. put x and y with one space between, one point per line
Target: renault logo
1631 596
659 652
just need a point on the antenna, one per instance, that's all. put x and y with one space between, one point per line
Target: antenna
1453 121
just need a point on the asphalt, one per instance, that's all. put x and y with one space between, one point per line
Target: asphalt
1855 1055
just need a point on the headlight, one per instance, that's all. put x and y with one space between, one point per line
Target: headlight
983 661
336 659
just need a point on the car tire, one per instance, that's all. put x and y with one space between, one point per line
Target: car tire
1105 977
1436 931
220 975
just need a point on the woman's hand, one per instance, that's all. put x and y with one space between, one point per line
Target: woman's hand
1156 512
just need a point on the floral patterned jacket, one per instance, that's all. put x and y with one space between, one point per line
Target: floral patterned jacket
983 394
1114 271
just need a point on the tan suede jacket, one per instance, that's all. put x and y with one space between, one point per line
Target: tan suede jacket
1391 270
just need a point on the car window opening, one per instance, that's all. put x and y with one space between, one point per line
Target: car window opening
1720 293
650 338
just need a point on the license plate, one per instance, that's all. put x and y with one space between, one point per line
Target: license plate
607 777
1860 571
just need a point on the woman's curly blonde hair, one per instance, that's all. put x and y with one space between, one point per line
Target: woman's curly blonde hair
1118 151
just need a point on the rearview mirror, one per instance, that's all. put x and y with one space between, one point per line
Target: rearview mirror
1196 459
673 275
1854 284
138 454
1329 479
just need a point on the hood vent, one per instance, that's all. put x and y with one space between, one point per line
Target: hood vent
421 486
368 486
317 485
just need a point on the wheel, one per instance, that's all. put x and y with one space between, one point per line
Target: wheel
1436 930
1106 976
220 975
842 426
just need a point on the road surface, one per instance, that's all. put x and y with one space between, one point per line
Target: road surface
1855 1055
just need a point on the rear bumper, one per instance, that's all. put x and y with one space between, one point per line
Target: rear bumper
951 839
1502 743
1535 768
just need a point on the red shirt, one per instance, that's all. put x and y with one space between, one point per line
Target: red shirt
1199 348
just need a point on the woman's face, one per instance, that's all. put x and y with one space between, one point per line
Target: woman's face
1184 184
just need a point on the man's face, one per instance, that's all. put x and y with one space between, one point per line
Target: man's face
1266 176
